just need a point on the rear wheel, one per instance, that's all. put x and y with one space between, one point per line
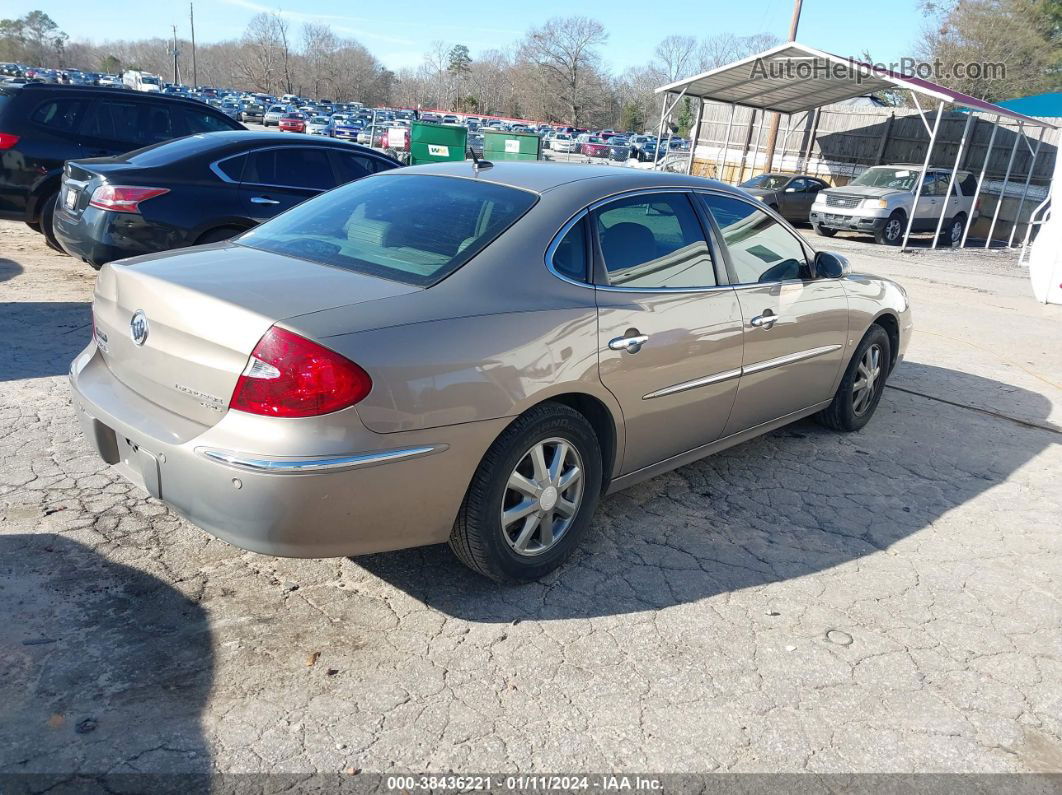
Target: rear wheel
217 235
952 233
47 221
891 232
532 497
861 387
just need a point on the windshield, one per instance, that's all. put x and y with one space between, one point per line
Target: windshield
148 79
896 178
766 182
413 228
319 120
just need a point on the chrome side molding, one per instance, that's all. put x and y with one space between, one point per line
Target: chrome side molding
758 367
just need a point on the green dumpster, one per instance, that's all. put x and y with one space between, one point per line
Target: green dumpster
501 145
436 143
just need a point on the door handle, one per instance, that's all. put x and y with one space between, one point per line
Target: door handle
765 320
630 344
263 200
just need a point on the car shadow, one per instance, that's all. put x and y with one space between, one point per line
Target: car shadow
105 670
9 269
41 337
794 502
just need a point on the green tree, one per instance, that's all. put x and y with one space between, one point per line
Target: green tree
1021 35
459 60
632 117
111 65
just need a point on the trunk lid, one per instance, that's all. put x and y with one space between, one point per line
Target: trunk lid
205 310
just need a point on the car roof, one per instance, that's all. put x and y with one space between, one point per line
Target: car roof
44 88
541 176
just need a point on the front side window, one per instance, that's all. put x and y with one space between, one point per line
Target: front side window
761 249
411 228
350 167
653 241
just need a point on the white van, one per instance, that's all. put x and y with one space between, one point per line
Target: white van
141 81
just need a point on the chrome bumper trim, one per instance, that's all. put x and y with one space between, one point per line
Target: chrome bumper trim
281 466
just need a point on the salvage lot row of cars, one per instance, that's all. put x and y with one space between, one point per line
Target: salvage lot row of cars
515 339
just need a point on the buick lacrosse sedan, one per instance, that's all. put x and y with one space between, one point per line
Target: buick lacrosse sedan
475 356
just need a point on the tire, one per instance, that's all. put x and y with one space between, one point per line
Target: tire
35 226
851 409
824 231
217 235
484 542
891 232
47 221
952 233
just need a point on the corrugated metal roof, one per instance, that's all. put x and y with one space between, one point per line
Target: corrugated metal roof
792 78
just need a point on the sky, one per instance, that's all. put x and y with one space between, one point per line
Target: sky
399 33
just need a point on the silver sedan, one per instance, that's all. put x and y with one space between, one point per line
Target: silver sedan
473 355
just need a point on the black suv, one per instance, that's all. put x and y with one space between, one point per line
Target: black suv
42 126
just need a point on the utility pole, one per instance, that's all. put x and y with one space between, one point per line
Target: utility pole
176 66
772 131
191 19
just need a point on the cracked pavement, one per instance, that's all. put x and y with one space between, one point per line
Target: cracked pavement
889 600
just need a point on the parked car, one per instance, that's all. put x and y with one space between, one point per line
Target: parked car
882 199
283 390
619 149
318 125
791 195
251 111
593 146
295 121
196 190
273 115
347 129
43 126
563 142
645 150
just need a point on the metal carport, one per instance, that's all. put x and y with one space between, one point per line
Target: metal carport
794 78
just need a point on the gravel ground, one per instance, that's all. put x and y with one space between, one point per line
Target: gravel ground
883 601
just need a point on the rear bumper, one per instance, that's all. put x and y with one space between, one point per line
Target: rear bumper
393 491
100 236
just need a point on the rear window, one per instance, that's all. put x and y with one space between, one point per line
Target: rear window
414 228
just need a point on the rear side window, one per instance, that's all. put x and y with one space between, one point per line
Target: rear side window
968 185
232 167
413 228
290 167
654 241
569 258
58 114
114 120
197 121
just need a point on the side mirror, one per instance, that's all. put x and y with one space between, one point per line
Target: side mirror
831 266
790 190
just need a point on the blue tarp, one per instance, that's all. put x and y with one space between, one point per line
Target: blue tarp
1042 105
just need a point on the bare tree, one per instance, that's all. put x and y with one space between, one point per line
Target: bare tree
676 57
565 52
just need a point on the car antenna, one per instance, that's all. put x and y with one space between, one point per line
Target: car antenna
477 164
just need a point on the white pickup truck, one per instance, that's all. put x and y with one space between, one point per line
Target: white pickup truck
881 199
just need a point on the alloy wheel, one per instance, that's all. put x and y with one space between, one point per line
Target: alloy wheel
542 497
866 383
893 229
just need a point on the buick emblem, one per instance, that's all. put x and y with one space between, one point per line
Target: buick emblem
138 327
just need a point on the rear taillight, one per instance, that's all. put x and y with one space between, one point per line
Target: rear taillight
7 140
290 376
123 198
